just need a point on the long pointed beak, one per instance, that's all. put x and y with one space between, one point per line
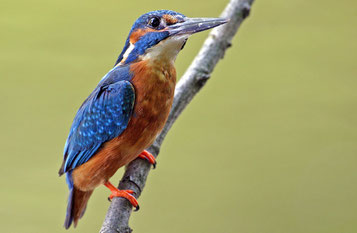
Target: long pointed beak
193 25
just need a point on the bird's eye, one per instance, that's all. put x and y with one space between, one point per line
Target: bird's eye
154 22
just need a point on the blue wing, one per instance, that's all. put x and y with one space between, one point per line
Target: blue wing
103 116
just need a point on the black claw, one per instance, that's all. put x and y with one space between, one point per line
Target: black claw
110 200
154 165
137 208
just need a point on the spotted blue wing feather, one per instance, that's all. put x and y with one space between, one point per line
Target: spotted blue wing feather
103 116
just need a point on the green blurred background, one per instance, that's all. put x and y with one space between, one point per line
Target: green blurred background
268 146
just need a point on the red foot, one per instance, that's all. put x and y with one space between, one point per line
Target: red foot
149 157
122 193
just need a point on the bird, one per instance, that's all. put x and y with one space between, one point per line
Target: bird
127 109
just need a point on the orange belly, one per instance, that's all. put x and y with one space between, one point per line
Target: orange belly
154 90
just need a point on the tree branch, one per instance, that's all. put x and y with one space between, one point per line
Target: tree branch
134 178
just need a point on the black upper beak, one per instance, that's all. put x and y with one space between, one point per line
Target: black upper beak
193 25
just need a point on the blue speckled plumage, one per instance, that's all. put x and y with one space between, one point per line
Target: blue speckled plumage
103 116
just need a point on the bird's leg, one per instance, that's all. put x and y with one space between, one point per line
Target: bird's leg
122 193
149 157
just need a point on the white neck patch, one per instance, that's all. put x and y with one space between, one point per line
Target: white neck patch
127 52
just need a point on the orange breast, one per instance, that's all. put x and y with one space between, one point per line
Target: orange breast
154 90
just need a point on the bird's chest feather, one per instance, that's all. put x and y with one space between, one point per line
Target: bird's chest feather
154 91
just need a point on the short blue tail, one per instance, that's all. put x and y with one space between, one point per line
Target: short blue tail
77 202
69 213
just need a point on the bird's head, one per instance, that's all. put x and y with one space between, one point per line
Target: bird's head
161 35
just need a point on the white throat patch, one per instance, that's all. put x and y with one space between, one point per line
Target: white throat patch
166 50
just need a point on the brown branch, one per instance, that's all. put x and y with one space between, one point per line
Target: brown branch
134 178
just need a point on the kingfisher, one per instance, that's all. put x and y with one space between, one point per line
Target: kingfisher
128 108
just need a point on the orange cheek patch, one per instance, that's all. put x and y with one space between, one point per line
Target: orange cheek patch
169 19
136 35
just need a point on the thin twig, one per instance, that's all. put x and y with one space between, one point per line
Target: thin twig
134 178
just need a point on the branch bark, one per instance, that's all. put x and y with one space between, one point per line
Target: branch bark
134 178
